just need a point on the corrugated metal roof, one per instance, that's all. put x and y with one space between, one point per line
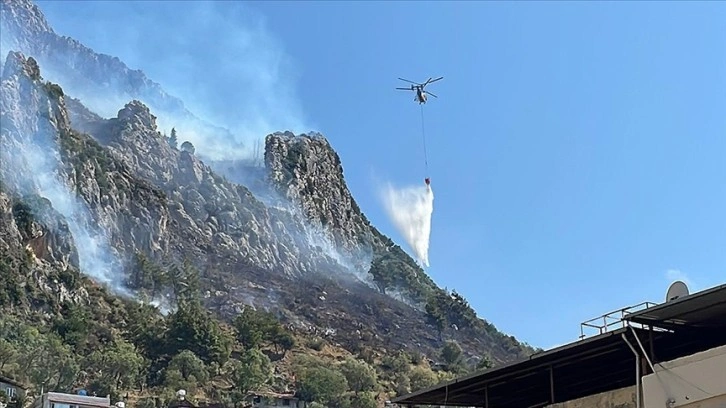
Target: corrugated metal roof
12 382
706 309
589 366
73 399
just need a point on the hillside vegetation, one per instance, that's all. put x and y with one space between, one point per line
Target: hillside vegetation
124 348
279 285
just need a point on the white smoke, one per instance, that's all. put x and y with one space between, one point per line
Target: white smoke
96 257
30 163
410 209
240 87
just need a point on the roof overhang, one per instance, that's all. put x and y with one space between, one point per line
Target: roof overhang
705 309
537 380
593 365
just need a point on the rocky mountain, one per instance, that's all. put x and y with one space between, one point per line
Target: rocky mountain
114 199
100 80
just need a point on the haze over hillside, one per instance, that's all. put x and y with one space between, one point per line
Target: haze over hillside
91 190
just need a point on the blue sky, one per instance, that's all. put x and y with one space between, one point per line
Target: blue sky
576 149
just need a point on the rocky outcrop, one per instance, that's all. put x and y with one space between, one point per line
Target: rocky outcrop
42 155
99 80
222 217
305 251
307 171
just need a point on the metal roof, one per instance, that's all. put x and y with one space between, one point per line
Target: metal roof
586 367
8 380
705 309
74 399
526 382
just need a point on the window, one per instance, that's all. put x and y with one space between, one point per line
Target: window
286 402
10 392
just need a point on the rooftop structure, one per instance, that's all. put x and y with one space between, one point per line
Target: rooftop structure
619 356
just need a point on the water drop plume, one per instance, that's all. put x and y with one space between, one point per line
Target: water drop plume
410 209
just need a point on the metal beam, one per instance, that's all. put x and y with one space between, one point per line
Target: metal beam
552 385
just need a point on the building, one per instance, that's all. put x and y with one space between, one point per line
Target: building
13 390
269 400
671 355
62 400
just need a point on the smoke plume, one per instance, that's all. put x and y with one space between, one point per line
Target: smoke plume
410 209
235 89
30 163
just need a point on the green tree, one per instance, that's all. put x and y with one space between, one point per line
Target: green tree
252 371
452 355
49 361
189 366
435 316
484 363
255 328
321 384
7 353
364 400
120 365
173 138
283 341
382 274
359 375
147 330
188 147
422 377
73 325
193 328
250 328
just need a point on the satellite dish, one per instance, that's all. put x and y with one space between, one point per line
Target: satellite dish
677 290
82 392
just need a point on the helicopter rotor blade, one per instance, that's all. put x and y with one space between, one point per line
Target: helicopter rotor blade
416 83
431 94
430 80
405 89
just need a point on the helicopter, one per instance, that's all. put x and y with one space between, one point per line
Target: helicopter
419 88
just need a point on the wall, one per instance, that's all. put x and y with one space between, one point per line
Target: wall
695 381
19 392
620 398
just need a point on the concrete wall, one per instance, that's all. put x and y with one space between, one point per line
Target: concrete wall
695 381
620 398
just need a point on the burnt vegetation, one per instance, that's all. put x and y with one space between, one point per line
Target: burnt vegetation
327 339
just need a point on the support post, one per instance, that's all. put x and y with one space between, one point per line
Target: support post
552 384
642 348
637 370
486 396
650 342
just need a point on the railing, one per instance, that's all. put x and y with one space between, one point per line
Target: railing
614 319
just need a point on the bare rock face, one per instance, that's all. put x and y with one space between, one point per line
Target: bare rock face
43 156
45 232
307 171
98 79
79 190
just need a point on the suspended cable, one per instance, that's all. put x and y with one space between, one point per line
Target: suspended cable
423 136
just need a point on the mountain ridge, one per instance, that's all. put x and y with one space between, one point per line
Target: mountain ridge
298 246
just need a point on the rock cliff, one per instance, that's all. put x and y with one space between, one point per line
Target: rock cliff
84 192
100 80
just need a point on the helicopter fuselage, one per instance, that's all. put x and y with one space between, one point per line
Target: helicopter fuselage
420 95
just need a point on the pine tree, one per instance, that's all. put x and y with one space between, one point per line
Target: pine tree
172 139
